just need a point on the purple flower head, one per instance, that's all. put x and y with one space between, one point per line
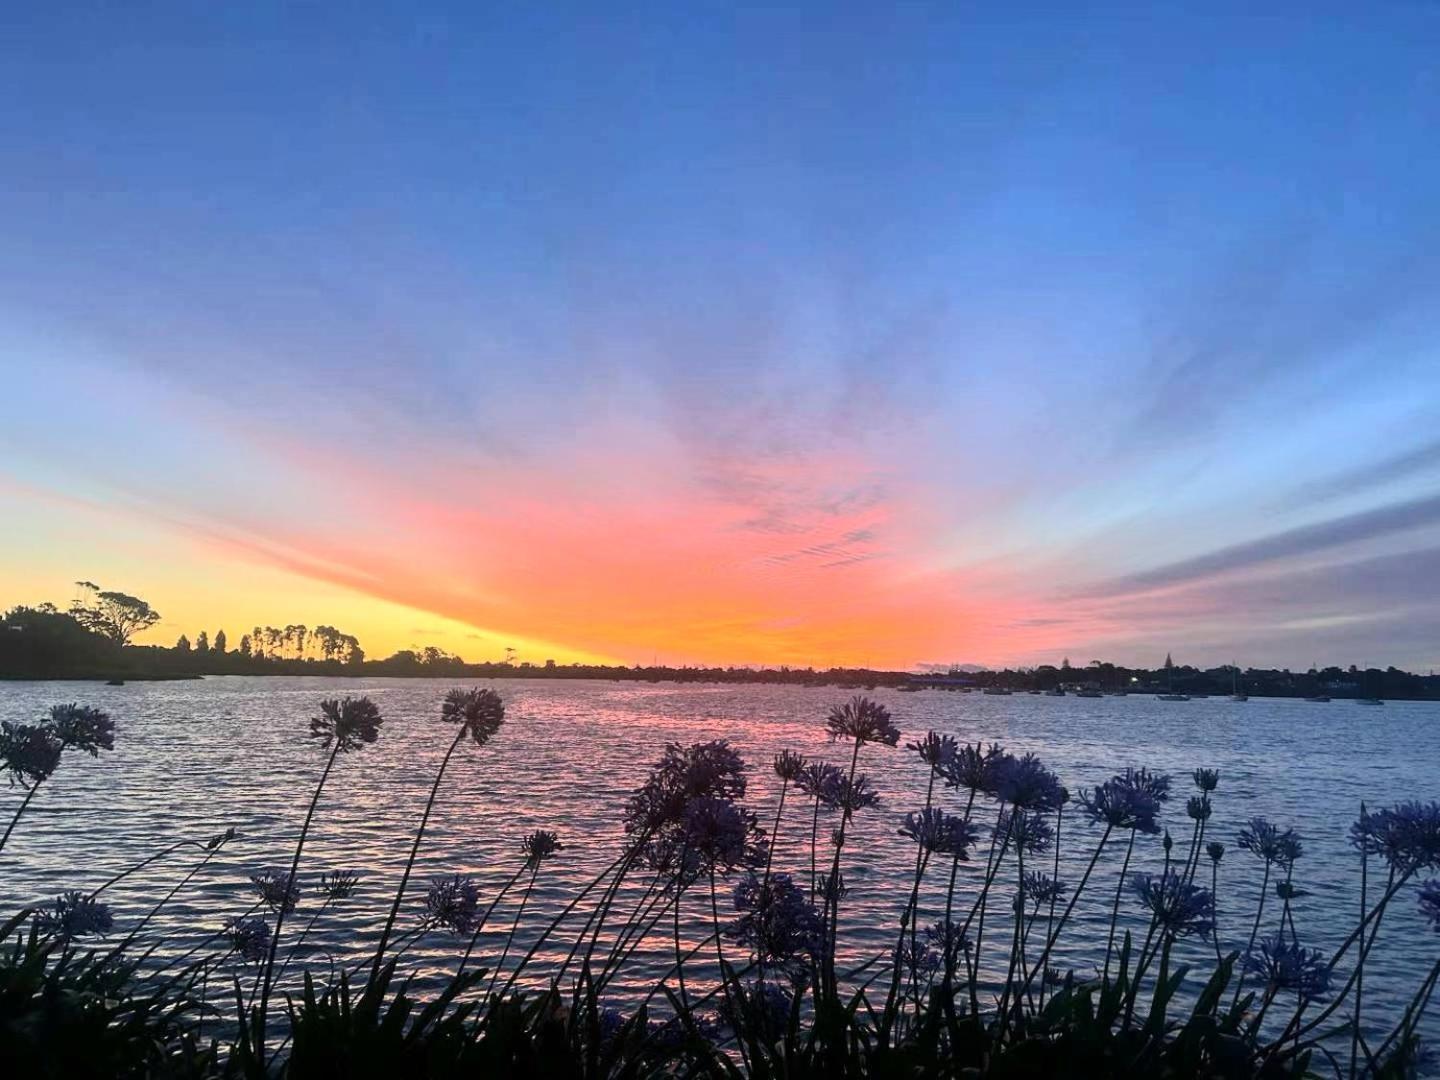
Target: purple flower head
1407 835
789 766
970 766
80 727
479 712
539 846
29 753
1040 889
349 722
452 904
709 769
1197 808
777 922
818 778
1178 907
935 750
75 914
1145 783
1265 841
1121 806
1288 966
1025 783
714 836
948 939
1207 780
338 884
1430 903
249 938
917 959
849 795
277 889
220 839
946 834
864 721
1215 850
1024 830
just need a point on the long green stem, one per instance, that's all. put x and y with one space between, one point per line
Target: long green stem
1115 908
414 851
16 819
287 884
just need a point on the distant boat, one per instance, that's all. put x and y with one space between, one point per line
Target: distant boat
1173 697
1056 692
1369 701
1088 693
996 691
1199 697
115 682
1170 694
910 689
1235 694
1318 697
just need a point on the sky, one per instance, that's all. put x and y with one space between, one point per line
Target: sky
826 334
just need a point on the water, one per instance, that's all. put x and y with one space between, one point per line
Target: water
193 758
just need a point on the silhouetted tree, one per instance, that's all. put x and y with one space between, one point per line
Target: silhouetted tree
115 615
202 643
183 645
220 643
245 645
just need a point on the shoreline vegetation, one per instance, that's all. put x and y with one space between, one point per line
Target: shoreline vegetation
92 641
971 984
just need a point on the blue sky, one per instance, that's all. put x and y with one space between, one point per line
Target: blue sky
1020 332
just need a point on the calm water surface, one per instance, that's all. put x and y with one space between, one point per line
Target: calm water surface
192 758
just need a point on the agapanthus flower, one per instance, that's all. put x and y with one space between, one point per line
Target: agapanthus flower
851 795
1039 890
1407 835
777 922
80 727
75 914
1430 903
277 889
939 832
935 750
221 838
917 959
819 777
249 938
1121 806
1143 782
1207 780
1197 808
1025 783
349 722
969 767
1215 850
539 846
948 939
479 712
1054 977
1265 841
789 766
864 721
708 769
1288 966
452 903
338 884
713 836
1178 907
1024 830
29 753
